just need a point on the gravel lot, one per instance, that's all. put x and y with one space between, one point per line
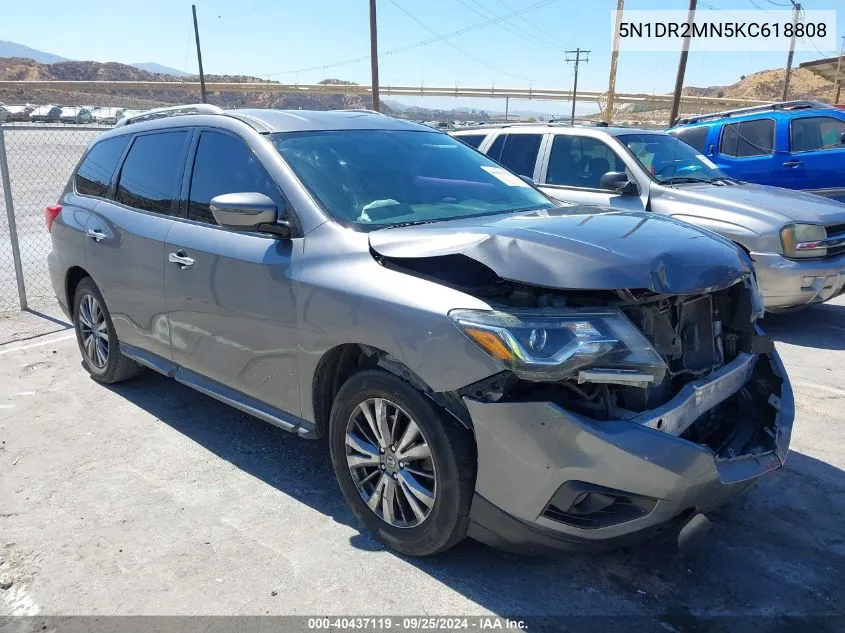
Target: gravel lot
149 498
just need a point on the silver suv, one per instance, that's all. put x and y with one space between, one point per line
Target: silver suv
482 361
796 239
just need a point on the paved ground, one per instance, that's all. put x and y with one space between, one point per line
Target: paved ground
152 499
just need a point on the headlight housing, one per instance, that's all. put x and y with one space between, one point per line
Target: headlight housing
803 240
555 344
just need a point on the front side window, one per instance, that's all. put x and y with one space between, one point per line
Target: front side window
378 178
96 171
225 164
519 152
748 138
150 171
815 133
670 160
580 161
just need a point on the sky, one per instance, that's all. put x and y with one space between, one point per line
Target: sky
306 41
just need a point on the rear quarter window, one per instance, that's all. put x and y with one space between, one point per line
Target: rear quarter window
694 136
97 169
473 140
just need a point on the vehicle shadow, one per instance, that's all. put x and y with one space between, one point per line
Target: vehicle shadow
778 551
821 326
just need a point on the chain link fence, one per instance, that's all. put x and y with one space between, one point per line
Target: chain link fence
35 164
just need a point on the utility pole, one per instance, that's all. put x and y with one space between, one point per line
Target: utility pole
614 60
682 67
374 55
199 53
837 85
796 15
577 61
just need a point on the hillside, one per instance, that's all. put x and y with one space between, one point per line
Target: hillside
767 85
13 49
20 69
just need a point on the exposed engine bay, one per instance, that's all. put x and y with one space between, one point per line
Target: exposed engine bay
694 334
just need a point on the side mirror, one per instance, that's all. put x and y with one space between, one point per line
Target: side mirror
618 181
842 138
247 211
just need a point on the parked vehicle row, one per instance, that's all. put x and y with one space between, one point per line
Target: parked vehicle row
483 359
64 114
796 240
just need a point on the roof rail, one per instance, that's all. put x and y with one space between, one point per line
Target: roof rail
160 113
784 105
358 110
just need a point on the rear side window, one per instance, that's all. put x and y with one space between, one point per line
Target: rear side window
96 171
517 152
149 175
473 140
809 134
694 136
748 138
224 164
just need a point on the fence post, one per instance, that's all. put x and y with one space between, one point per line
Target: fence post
10 214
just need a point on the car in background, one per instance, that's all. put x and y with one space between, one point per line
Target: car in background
481 361
46 114
4 114
127 114
797 240
75 114
107 116
18 112
795 145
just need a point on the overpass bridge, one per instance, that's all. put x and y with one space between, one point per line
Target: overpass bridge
486 92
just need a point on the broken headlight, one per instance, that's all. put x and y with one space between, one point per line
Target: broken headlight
565 343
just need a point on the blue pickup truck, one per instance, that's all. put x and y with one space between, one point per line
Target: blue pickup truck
796 145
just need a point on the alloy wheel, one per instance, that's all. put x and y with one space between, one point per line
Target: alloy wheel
391 463
93 331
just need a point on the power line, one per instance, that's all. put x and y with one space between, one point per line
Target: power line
551 36
521 33
455 46
406 47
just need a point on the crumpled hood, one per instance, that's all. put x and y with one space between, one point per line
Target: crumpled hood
771 205
579 247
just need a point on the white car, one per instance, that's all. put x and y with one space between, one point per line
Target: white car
74 114
107 116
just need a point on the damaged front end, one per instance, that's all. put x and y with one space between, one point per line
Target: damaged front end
705 371
619 409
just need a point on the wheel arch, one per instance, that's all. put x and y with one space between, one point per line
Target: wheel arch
74 275
341 362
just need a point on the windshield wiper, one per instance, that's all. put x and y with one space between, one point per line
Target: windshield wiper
682 179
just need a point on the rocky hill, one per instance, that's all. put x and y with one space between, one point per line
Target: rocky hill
767 85
22 69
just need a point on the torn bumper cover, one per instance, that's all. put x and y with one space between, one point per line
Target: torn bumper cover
550 478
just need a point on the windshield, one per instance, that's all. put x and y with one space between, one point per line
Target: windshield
378 178
669 160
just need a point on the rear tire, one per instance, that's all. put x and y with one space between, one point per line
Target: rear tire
439 454
96 337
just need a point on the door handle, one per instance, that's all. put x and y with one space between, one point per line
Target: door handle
793 163
181 259
95 234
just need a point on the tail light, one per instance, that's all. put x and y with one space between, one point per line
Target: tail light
50 214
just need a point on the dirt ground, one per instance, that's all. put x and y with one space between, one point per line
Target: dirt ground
149 498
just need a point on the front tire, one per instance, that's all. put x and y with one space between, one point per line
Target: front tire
405 468
96 337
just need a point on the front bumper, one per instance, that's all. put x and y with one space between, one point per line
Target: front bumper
788 283
530 453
